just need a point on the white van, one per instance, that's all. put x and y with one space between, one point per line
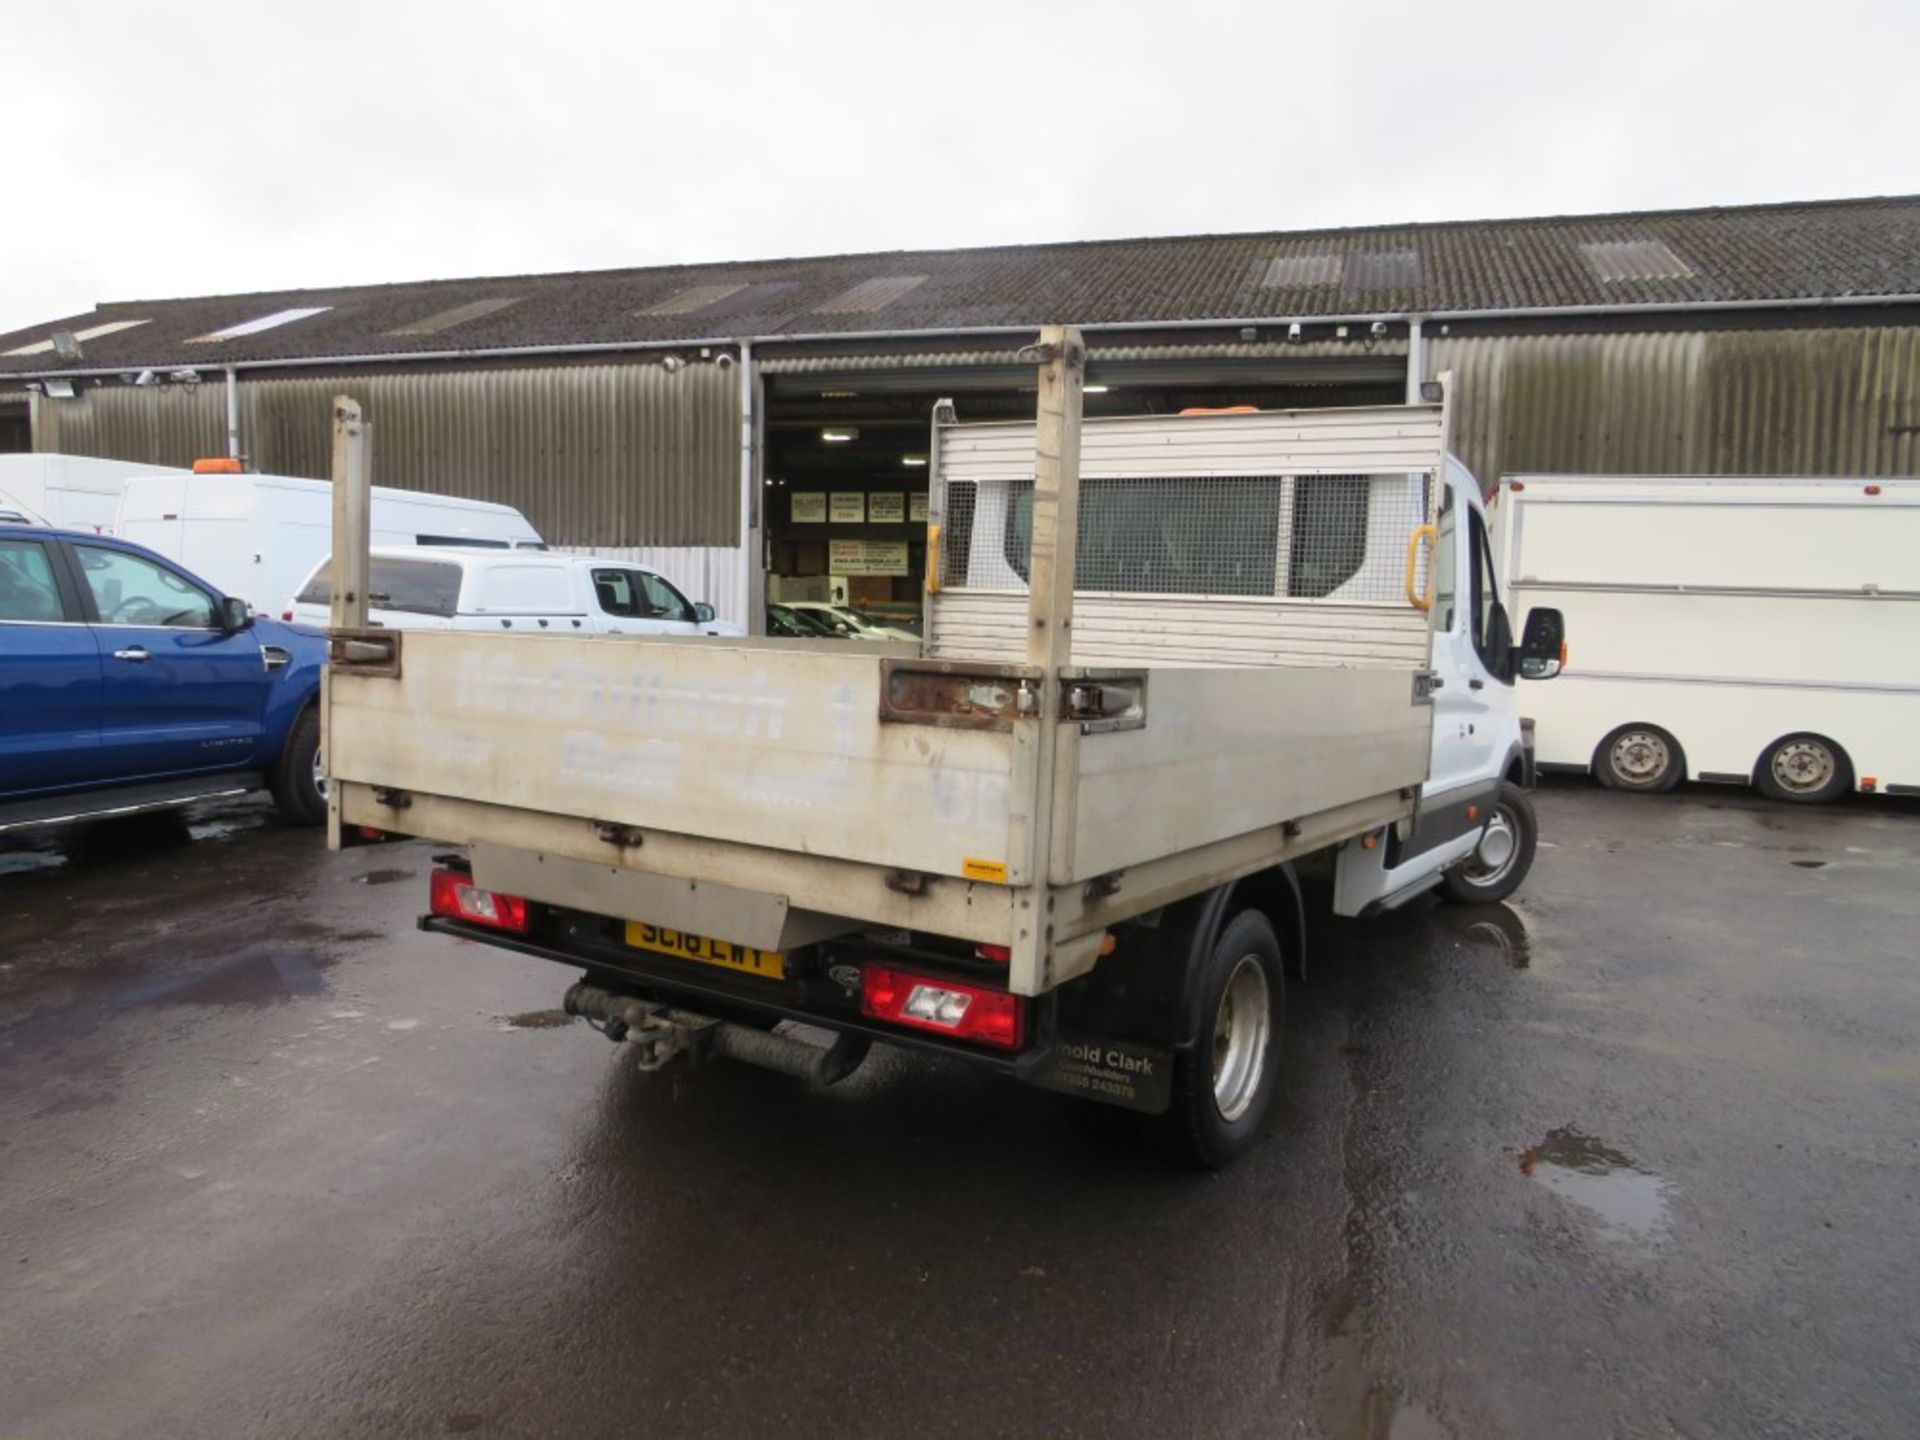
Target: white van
521 591
259 536
1746 630
69 492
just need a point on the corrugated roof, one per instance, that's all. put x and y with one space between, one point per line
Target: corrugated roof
1812 251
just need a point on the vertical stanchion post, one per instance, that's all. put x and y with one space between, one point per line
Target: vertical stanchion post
352 514
1050 575
352 537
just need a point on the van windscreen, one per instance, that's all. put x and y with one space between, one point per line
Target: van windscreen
418 587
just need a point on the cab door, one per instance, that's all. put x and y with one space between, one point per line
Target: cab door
180 695
1469 703
49 674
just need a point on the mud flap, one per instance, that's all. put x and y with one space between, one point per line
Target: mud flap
1133 1074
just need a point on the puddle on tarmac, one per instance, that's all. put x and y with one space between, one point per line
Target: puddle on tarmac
1383 1415
1495 931
22 862
536 1020
384 877
1354 1406
1809 864
257 978
1630 1203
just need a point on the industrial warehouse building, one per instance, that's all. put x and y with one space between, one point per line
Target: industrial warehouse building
733 421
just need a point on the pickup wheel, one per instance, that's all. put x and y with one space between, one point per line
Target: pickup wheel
1223 1084
1503 856
299 787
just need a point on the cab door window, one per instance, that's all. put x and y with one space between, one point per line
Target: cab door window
128 590
667 603
27 588
1492 636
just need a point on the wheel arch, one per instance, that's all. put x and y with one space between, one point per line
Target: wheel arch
1147 987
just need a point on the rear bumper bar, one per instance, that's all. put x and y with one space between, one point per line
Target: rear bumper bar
693 991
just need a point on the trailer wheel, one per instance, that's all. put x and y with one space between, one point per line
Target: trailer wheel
1500 862
1223 1084
299 781
1806 769
1639 757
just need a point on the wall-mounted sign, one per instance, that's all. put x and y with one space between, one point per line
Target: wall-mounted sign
809 507
917 508
849 507
867 557
887 507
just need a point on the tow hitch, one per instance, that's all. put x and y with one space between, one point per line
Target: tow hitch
663 1033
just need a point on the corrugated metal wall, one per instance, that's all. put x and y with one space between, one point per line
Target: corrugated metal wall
1754 402
639 455
632 454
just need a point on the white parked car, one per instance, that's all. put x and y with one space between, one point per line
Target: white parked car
460 588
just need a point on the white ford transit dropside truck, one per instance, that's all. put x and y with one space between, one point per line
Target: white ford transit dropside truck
1169 664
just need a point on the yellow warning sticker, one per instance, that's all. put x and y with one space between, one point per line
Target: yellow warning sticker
994 870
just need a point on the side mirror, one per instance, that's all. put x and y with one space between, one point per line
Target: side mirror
235 615
1543 644
703 612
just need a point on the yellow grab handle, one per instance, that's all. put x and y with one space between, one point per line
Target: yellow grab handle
1414 597
933 559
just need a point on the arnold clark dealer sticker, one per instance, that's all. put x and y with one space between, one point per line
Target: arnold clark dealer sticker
1120 1072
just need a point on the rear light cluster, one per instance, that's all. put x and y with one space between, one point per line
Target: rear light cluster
945 1006
456 896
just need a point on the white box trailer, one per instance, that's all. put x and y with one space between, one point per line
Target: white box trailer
70 492
260 536
1169 660
1758 630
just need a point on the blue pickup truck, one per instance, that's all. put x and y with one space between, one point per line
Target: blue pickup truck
127 684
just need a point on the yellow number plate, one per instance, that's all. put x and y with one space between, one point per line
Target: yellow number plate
769 964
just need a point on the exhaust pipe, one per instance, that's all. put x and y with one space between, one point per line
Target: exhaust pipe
664 1033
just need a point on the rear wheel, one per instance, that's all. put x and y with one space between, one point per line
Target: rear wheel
1223 1085
1806 769
299 780
1639 757
1500 862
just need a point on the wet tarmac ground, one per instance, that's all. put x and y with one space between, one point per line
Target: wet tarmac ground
1635 1156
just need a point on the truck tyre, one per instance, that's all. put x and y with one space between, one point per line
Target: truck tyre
299 787
1804 768
1640 757
1500 862
1223 1083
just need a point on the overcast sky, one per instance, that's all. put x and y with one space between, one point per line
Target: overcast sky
185 149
